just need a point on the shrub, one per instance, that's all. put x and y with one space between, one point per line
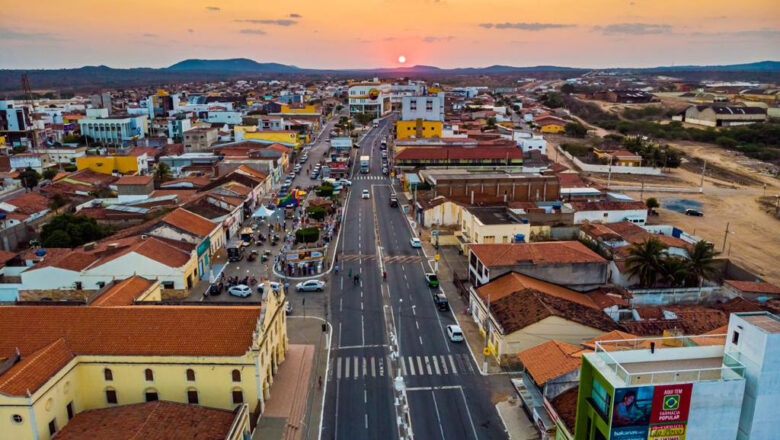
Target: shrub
307 235
316 212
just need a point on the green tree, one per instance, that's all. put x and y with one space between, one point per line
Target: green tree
29 178
307 235
58 201
652 203
567 89
49 173
701 261
163 172
491 122
674 271
316 213
363 118
575 129
68 230
644 261
552 100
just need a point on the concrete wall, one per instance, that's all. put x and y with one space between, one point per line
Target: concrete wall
591 168
578 276
531 189
714 411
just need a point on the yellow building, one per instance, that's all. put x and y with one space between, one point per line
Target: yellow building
287 138
109 164
59 361
418 128
487 225
622 158
300 109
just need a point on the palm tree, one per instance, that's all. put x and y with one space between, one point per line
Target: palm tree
644 261
701 261
675 271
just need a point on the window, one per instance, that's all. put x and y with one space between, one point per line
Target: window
16 418
600 398
167 284
111 396
236 376
735 338
149 374
151 395
238 396
192 397
190 375
69 409
107 374
53 427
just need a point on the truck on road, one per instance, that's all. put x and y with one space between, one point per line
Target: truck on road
365 163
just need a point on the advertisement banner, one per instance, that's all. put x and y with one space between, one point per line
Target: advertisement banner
651 413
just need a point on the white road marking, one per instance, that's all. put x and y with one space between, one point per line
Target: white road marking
373 366
452 363
403 366
355 371
420 338
436 407
362 330
436 365
417 323
420 365
469 413
338 368
428 365
411 365
365 370
444 364
346 368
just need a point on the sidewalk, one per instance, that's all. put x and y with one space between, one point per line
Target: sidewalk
294 409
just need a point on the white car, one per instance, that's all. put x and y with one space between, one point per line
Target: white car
287 308
454 333
310 286
344 182
365 194
240 290
415 242
274 286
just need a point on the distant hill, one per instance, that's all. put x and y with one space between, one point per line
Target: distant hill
90 78
232 65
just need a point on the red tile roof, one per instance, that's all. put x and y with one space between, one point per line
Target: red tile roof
134 180
129 330
551 360
29 203
35 368
547 252
565 404
512 282
122 293
190 222
157 420
754 287
459 153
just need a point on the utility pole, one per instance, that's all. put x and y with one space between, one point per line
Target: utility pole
725 237
642 191
487 332
609 173
703 170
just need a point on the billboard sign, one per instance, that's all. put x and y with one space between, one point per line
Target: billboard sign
651 412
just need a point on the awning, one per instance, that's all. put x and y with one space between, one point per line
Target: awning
262 212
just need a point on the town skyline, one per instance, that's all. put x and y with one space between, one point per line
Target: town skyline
563 33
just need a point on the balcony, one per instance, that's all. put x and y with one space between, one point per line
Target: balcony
666 360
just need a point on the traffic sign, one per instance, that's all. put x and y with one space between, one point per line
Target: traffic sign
436 257
486 351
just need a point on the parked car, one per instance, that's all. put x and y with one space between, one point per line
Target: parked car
274 286
310 286
415 242
393 201
455 334
287 308
694 212
240 290
431 279
365 194
344 182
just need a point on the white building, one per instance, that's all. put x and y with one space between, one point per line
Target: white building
224 117
66 155
530 142
113 130
426 107
609 212
371 98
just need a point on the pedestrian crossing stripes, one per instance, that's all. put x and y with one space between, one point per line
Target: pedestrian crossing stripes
357 257
402 259
369 177
357 367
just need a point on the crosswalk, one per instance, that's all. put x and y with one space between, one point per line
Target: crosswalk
358 367
357 257
402 259
369 177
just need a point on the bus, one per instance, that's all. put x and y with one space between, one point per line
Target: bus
365 163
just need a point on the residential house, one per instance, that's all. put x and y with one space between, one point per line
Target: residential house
752 290
609 211
66 155
567 263
550 124
120 164
24 208
621 158
519 312
491 225
199 139
36 161
134 187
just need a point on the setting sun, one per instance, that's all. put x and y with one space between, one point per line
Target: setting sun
401 59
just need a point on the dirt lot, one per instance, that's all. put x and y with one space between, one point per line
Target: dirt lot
733 186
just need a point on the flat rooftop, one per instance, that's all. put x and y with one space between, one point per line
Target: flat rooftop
493 216
766 321
464 174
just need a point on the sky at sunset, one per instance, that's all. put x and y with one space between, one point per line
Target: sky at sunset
374 33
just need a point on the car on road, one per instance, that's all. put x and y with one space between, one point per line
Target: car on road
287 308
431 279
415 242
441 301
694 212
240 290
344 182
297 169
310 286
385 171
365 194
393 201
274 286
455 333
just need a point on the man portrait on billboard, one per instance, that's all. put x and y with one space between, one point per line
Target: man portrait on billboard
631 407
